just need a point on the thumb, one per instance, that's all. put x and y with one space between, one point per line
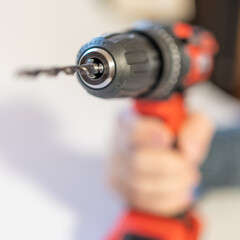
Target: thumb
195 137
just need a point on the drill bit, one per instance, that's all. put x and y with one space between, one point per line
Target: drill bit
90 68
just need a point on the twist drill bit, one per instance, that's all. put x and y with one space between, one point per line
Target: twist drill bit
90 68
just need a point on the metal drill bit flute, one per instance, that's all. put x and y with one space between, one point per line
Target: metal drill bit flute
90 68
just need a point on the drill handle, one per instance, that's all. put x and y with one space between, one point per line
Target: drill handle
136 225
171 111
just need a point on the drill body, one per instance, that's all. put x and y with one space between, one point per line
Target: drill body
153 64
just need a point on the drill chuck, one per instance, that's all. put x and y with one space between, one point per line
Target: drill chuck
150 61
130 62
104 68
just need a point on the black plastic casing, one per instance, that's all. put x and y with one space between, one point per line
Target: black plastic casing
148 63
137 64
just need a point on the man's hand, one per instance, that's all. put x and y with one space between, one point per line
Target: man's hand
151 174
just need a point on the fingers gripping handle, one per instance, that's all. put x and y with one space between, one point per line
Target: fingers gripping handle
141 226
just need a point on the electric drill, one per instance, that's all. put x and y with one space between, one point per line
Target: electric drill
153 64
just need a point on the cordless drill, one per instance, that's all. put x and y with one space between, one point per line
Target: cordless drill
153 64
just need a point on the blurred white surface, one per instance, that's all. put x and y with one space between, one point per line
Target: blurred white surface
155 9
53 136
222 108
221 212
27 212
